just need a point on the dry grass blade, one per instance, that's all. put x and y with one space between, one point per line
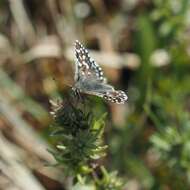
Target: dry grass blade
16 94
22 20
17 174
23 132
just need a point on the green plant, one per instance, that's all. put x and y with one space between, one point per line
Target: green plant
79 144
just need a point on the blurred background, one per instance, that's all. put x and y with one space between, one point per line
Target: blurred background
143 47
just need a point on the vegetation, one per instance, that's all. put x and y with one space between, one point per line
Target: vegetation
143 47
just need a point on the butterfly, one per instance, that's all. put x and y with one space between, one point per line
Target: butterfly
89 78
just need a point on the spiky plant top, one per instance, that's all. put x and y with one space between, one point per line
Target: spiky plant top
79 137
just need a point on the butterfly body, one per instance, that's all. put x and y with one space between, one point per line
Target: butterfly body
89 78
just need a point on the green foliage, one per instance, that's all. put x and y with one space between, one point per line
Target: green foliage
79 138
109 181
171 14
159 122
78 141
173 144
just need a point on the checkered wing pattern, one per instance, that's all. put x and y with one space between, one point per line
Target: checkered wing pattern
86 66
89 78
115 96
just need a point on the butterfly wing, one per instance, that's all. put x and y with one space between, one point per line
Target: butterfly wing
85 65
104 91
89 78
115 96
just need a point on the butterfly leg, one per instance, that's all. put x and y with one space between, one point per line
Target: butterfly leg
78 95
